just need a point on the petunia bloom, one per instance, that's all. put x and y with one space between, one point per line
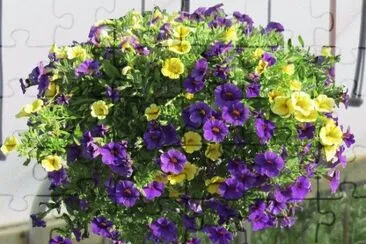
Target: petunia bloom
215 130
227 94
172 161
236 114
264 129
163 230
268 163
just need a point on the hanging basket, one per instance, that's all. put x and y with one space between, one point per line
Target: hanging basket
175 128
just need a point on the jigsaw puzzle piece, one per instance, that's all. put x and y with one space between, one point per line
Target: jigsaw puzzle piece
38 19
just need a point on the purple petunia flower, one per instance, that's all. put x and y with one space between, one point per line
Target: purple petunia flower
172 161
193 85
218 234
214 10
37 222
189 223
258 217
282 195
222 71
215 130
99 130
196 114
236 114
193 205
200 69
268 163
287 221
96 33
217 49
264 129
101 226
193 241
334 181
89 149
153 190
275 207
88 67
348 138
306 131
300 188
157 136
231 189
164 32
274 26
269 58
227 94
245 19
220 22
60 240
58 177
115 155
252 90
126 193
113 93
164 230
63 99
235 166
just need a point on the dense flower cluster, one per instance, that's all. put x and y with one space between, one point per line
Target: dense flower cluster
176 128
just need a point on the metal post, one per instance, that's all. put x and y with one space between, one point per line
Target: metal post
356 96
185 6
143 6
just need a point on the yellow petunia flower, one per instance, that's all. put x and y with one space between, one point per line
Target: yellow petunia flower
152 112
213 151
302 102
180 32
28 109
324 104
192 142
311 117
213 184
289 69
330 152
188 173
326 51
172 68
125 70
52 90
77 52
295 85
9 145
282 106
273 94
176 179
52 163
331 135
179 46
190 170
189 96
229 35
261 67
99 109
258 53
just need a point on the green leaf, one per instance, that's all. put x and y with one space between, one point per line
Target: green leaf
301 41
110 69
27 161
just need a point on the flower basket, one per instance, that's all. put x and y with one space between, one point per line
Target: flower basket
176 128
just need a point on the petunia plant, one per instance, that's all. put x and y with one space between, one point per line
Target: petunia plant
170 128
